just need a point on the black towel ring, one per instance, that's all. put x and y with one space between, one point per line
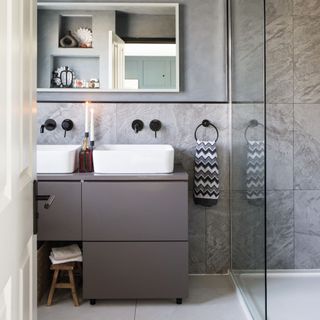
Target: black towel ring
206 123
252 124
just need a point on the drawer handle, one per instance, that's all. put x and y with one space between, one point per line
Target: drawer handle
48 200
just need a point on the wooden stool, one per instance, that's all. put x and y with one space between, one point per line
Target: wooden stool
68 267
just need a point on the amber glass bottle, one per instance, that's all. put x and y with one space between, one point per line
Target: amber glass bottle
85 156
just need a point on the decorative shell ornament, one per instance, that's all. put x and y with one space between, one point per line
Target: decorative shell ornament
84 36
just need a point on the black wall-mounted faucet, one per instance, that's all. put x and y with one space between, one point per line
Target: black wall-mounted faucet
67 125
155 125
137 125
49 125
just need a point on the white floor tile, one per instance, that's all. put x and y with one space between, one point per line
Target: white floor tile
63 309
210 297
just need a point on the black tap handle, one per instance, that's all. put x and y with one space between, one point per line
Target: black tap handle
67 125
155 125
137 125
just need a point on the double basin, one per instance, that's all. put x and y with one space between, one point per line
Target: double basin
112 159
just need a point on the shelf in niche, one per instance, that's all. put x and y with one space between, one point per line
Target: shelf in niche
77 52
84 67
73 23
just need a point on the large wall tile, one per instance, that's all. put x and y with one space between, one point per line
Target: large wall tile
276 8
279 146
306 59
247 50
306 211
307 253
105 117
197 256
248 232
218 236
280 230
306 146
279 60
197 238
306 7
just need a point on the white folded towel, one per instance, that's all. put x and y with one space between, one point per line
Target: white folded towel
67 252
54 261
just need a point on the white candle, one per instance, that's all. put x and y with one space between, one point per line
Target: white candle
86 124
91 125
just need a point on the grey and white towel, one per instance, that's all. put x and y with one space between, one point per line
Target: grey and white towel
67 252
255 170
206 174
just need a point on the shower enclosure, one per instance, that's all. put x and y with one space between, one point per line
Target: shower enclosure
275 113
247 195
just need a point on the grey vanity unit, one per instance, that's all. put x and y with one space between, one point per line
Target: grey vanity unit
134 231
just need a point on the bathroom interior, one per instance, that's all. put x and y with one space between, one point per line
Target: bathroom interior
178 151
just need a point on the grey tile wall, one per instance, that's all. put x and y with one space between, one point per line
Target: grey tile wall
280 226
293 134
209 230
248 231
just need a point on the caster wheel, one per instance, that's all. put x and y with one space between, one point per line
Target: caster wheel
92 302
178 301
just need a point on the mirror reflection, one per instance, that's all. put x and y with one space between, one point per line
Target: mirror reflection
143 49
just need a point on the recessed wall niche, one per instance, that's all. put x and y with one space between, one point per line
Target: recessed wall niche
71 23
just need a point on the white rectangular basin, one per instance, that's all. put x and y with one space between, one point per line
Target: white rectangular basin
135 158
57 158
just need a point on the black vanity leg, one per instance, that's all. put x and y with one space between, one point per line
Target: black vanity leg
178 301
92 302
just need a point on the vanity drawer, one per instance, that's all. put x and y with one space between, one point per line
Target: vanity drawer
135 211
135 270
62 221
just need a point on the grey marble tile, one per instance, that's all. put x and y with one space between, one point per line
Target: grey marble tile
279 146
197 255
218 236
248 234
280 230
306 146
104 122
306 59
248 50
279 60
307 252
276 8
197 240
306 212
197 219
241 116
306 7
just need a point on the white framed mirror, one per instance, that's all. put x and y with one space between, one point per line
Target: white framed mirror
108 47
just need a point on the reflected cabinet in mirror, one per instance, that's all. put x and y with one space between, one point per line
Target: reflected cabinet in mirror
101 47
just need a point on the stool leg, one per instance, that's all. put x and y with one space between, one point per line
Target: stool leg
53 287
73 289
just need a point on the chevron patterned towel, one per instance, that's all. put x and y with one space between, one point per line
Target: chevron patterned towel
255 170
206 174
